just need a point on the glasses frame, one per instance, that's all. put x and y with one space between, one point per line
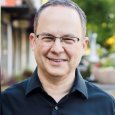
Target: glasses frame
61 38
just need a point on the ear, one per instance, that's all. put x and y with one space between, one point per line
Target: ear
84 45
32 40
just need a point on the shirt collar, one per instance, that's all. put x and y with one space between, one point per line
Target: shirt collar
79 84
33 83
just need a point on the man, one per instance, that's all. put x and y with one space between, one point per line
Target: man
56 86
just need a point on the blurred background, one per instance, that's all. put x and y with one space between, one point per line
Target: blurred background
17 61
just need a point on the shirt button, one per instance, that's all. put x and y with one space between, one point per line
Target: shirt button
56 108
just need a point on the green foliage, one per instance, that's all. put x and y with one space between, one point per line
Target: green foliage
101 52
100 16
112 49
108 63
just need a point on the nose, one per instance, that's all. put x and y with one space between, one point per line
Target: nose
57 46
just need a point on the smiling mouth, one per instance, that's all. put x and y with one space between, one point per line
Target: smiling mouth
57 60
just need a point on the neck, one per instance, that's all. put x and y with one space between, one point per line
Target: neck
57 86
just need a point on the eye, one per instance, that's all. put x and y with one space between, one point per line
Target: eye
78 39
47 38
69 40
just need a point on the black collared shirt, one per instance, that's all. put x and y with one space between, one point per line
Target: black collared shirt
29 98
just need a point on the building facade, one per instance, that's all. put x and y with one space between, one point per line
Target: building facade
16 24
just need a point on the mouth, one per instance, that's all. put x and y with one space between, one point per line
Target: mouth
57 60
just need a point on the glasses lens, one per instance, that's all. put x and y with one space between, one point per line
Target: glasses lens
49 40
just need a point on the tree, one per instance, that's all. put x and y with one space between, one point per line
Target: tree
100 16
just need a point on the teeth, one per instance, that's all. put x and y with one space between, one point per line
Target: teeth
57 60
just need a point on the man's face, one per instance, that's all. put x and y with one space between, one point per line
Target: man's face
58 60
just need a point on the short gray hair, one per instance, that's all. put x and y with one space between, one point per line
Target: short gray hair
65 3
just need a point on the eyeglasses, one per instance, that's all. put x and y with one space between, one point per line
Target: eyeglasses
49 39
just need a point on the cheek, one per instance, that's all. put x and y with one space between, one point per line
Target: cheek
75 55
41 51
78 55
37 52
76 52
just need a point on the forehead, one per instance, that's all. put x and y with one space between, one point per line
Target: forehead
60 10
59 17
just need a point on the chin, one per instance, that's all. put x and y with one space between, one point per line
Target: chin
57 73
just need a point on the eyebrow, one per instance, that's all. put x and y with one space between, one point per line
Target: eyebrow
69 35
47 34
66 35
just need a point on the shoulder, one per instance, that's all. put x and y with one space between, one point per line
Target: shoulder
17 89
103 101
97 93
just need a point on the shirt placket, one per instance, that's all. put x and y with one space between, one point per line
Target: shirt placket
55 110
